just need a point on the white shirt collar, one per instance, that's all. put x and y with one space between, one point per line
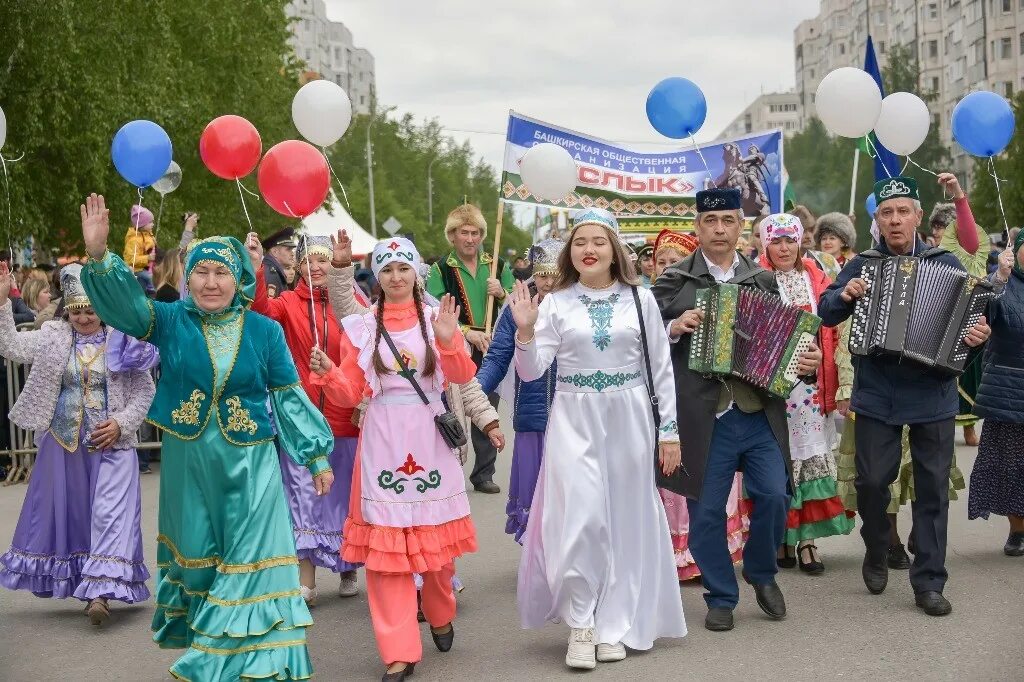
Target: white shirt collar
718 273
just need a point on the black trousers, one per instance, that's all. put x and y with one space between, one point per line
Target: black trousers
486 454
879 451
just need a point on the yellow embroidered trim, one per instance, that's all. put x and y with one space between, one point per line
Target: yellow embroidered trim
248 649
181 585
95 265
188 411
176 434
218 386
205 562
152 321
272 562
252 600
317 458
33 555
238 416
285 388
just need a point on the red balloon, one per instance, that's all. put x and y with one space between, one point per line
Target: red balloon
294 178
230 147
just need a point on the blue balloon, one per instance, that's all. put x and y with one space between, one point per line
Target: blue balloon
141 151
676 108
871 204
983 123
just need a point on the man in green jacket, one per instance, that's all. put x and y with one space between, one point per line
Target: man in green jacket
465 273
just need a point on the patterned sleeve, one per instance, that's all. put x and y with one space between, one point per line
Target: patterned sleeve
140 395
14 345
118 299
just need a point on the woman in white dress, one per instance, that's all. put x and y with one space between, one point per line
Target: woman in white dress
597 553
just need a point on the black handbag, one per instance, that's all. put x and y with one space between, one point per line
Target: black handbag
448 423
674 482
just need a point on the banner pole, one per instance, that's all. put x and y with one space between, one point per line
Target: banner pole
489 315
853 180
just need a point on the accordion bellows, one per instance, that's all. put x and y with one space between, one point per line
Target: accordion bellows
919 310
753 335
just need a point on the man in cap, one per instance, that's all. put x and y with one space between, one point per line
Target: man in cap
645 263
279 255
889 393
465 273
726 423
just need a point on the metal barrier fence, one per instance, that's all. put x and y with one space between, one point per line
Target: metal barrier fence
21 448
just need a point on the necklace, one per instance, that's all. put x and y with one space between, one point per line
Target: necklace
603 286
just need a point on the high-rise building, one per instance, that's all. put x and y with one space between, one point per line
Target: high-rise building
328 50
769 111
960 46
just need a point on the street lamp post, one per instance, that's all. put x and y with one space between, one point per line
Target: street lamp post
430 192
369 175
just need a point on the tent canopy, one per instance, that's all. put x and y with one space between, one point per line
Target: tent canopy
332 217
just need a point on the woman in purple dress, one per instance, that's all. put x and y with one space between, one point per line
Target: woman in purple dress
86 395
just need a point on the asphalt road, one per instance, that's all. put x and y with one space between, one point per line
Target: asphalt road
835 629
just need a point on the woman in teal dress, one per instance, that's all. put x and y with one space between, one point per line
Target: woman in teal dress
228 586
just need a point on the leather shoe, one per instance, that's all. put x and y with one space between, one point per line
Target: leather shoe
400 675
933 603
770 599
876 576
897 557
444 640
1014 545
719 619
489 487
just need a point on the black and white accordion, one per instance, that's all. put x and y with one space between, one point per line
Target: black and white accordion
917 309
753 335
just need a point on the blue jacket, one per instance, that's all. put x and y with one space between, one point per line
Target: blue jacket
884 387
533 398
1001 394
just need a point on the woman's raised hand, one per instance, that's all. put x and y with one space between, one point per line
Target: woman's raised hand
342 250
446 322
5 281
524 308
255 249
95 225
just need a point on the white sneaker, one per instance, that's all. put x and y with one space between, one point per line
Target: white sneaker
609 653
309 595
349 585
581 649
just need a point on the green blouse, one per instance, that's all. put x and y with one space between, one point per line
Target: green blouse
225 366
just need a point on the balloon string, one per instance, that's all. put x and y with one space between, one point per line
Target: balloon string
10 228
340 183
244 208
703 160
945 197
309 281
999 196
135 244
258 198
877 155
159 212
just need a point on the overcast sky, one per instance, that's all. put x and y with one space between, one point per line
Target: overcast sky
582 65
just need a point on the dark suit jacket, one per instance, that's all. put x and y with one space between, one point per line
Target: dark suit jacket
697 395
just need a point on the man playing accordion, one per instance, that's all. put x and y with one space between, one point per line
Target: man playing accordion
728 424
890 392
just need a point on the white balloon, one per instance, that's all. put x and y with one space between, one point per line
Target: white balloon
169 181
848 102
903 124
548 171
322 112
3 128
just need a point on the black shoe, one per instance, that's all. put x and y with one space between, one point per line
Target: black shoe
145 470
489 487
444 641
719 619
933 603
770 599
787 560
897 558
1014 545
400 675
876 576
812 566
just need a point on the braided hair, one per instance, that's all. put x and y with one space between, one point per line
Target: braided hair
430 361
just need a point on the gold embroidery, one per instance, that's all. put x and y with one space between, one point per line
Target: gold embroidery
252 600
188 412
272 562
247 649
205 562
238 416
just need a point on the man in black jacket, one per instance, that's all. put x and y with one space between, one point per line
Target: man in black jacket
279 251
890 392
726 423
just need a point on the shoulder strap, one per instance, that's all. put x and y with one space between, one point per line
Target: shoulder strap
932 252
647 362
405 368
871 253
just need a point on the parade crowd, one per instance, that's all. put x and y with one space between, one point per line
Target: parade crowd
317 414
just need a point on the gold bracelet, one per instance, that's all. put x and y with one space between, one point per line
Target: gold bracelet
527 342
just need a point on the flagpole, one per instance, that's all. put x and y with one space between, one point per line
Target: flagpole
489 315
853 180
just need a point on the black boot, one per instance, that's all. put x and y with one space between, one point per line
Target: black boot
876 575
770 599
897 558
1014 545
933 603
719 619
